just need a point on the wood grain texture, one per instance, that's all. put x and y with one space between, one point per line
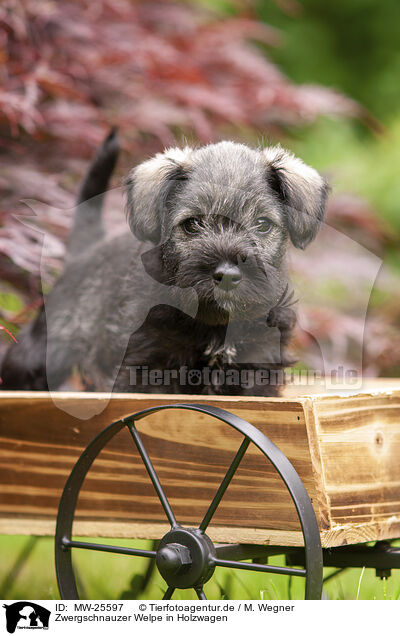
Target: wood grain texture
360 445
345 449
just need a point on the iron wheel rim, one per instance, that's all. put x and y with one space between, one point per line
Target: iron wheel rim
313 571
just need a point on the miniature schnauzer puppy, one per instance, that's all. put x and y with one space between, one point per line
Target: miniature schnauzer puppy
195 299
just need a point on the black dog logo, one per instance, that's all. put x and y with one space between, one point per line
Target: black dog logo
26 615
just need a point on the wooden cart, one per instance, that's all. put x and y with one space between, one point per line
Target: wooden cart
218 481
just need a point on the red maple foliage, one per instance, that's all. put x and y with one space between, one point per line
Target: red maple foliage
157 70
75 66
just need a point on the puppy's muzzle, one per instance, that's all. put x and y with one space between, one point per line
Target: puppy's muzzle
227 276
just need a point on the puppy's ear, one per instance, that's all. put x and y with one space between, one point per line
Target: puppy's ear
149 188
301 189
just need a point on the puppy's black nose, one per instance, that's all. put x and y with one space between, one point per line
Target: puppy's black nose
227 276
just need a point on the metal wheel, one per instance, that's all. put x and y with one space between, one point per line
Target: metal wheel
186 557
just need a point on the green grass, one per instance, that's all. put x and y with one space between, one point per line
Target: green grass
109 576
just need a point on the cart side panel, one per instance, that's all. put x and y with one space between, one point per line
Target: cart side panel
39 444
359 439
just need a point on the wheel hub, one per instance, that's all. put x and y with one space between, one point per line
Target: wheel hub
185 557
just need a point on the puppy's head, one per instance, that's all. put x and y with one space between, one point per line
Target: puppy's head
224 214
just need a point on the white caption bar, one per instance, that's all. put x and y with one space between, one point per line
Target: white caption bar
175 617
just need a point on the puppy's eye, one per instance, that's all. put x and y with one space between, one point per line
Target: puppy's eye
263 225
191 226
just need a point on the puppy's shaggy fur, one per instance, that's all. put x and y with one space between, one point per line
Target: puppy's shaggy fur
196 294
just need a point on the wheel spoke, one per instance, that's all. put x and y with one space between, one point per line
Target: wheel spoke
168 594
224 484
67 543
153 475
258 567
200 594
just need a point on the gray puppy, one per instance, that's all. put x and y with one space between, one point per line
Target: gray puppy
195 299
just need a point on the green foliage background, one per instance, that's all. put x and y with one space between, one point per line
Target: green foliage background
352 45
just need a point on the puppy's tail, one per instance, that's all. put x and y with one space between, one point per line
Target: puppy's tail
88 224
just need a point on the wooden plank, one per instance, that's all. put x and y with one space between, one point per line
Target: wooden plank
321 498
338 536
190 451
344 447
45 527
359 438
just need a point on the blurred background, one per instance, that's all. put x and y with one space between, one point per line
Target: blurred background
320 78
